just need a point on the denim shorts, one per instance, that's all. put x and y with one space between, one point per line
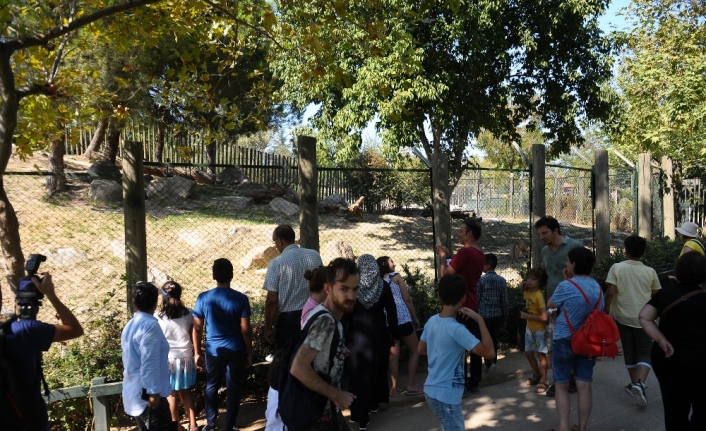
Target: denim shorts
450 415
564 360
535 341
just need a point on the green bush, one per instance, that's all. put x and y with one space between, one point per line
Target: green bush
660 254
422 289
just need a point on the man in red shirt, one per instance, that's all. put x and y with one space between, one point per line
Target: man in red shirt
468 263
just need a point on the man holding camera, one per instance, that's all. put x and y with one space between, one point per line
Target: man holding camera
26 338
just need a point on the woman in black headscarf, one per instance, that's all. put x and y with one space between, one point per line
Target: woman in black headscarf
369 342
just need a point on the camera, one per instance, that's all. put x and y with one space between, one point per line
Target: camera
28 297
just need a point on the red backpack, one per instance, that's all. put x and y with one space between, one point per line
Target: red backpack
598 335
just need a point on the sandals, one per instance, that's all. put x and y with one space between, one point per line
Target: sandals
394 392
542 387
532 381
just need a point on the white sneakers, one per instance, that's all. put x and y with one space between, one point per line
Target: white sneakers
638 391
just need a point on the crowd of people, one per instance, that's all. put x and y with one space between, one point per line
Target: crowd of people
353 316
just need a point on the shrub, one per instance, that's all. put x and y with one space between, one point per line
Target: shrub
422 289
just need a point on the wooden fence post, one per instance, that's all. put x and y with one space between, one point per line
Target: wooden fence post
134 213
308 187
600 172
668 198
441 201
539 202
644 212
101 408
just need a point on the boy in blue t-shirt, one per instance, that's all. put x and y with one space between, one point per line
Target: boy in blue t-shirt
447 341
226 315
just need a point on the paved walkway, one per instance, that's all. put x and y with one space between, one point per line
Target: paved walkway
507 403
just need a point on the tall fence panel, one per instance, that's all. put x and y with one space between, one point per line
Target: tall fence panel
568 194
656 184
623 190
692 201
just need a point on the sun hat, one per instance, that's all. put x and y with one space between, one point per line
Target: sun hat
689 229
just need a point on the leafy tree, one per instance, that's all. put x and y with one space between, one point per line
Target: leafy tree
662 81
437 73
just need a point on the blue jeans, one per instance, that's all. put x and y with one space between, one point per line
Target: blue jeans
450 415
232 365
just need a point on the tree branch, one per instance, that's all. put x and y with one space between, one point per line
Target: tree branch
425 140
42 39
29 90
245 23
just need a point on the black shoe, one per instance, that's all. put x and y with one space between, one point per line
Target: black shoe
472 388
550 391
572 386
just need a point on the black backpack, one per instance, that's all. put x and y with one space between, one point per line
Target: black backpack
300 407
20 409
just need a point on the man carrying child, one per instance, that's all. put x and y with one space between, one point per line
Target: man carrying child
445 341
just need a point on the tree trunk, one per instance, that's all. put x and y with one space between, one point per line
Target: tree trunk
57 182
98 137
211 157
112 141
159 144
10 240
9 225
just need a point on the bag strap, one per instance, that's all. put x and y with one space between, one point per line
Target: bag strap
703 249
598 303
682 299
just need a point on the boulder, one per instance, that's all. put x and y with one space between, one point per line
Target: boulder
259 257
284 206
258 192
64 256
334 200
233 202
231 177
169 188
106 191
104 170
286 192
336 248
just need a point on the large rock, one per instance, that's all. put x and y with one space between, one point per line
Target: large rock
64 256
105 171
286 192
335 200
233 202
259 257
259 192
231 177
169 188
336 248
284 206
106 191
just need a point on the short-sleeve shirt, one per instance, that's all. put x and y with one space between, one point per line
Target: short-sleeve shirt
447 342
285 276
695 245
222 308
554 262
534 302
634 284
492 296
319 338
178 334
567 297
468 263
24 342
684 325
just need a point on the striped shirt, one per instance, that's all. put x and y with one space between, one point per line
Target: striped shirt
492 296
285 276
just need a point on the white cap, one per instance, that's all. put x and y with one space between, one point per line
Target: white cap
689 229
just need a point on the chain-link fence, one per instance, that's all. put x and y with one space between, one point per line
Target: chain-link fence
501 198
622 183
568 199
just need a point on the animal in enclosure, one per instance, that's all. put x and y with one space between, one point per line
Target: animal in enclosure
519 250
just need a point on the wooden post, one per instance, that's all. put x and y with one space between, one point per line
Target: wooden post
308 185
644 208
134 213
539 202
668 198
600 172
101 407
441 200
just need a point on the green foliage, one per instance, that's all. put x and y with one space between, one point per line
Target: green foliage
661 81
660 254
422 290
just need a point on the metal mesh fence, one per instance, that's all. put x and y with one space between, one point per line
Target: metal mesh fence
568 199
623 190
501 199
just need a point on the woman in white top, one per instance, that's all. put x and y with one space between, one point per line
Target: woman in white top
176 322
407 323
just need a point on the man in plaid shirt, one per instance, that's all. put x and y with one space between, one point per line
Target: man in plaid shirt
287 289
492 305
